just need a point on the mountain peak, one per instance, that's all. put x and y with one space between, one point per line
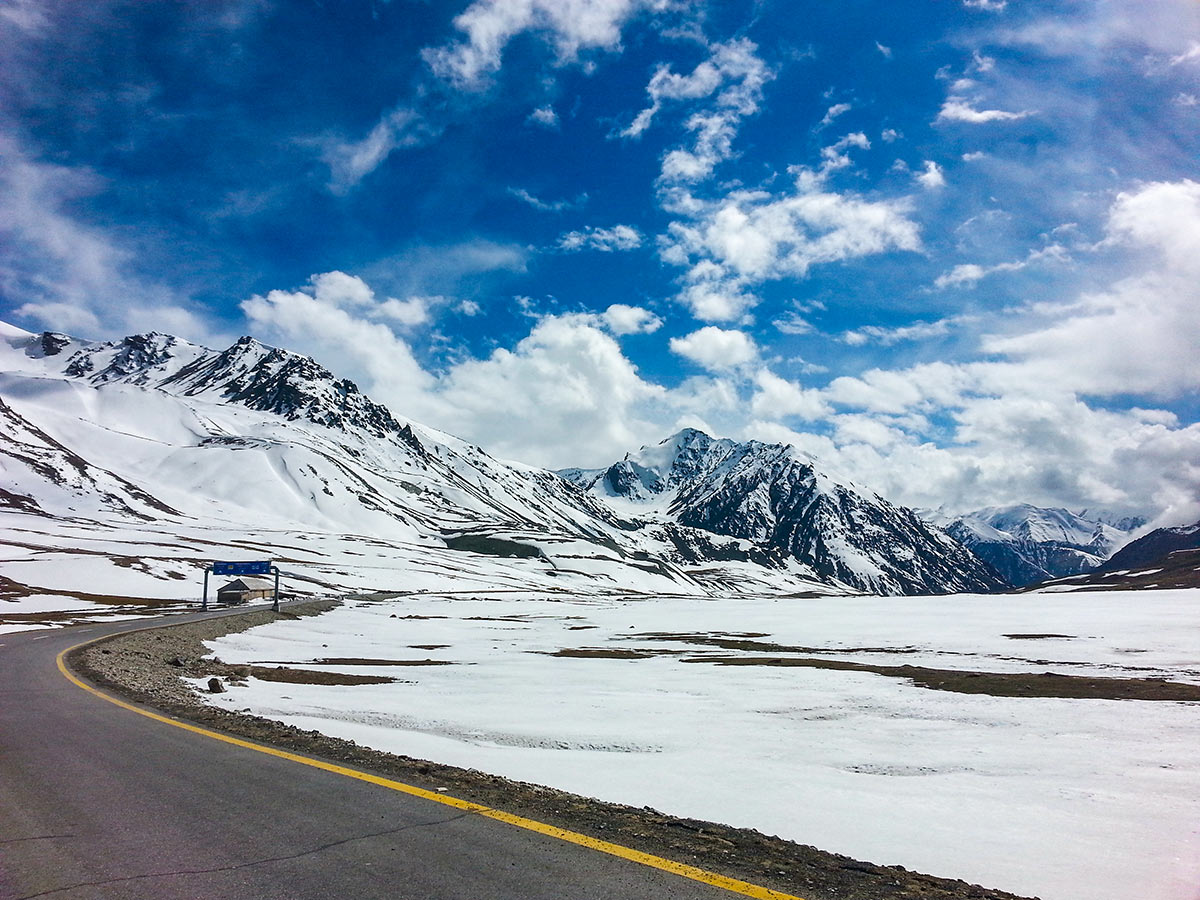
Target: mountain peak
774 498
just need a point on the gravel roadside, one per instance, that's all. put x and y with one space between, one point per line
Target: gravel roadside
148 667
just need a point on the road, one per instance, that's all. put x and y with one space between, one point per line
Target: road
97 801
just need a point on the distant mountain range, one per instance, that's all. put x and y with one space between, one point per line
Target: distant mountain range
1028 544
155 432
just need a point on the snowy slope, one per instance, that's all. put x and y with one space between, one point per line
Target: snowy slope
774 496
1029 544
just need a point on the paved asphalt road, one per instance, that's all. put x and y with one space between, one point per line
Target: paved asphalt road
97 801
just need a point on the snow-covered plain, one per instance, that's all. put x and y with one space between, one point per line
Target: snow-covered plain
1064 799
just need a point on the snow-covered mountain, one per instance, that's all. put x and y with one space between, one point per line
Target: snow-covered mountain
128 465
774 496
1029 544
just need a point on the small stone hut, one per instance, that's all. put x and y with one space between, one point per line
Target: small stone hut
242 590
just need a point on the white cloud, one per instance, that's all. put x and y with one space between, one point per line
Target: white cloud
889 135
340 289
542 205
1139 336
981 63
833 112
571 26
28 15
932 176
544 116
886 337
835 157
351 161
1185 99
315 321
969 274
1191 53
959 109
716 349
743 75
793 323
619 237
621 319
468 308
411 312
777 398
578 400
752 236
733 64
988 5
886 51
73 276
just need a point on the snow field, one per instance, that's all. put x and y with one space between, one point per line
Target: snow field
1065 799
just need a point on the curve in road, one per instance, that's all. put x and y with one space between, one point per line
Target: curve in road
118 807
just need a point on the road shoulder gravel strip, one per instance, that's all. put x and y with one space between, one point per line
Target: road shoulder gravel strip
148 667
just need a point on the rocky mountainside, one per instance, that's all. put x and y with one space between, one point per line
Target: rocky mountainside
1029 544
775 498
1150 549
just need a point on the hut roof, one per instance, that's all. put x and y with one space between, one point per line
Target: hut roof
247 584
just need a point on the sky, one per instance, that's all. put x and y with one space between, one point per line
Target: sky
950 248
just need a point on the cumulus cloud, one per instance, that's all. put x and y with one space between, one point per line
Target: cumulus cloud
619 237
932 176
326 320
716 349
544 116
752 236
571 26
1140 336
959 109
621 319
777 398
578 400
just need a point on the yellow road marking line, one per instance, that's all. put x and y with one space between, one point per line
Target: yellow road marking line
573 837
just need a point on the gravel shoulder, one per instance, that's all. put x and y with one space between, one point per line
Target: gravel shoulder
148 666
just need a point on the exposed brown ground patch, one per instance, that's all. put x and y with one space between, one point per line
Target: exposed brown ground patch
370 661
996 684
1039 637
289 675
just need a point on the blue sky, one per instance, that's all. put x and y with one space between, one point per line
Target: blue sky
950 248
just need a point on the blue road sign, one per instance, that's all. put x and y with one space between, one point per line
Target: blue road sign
261 567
